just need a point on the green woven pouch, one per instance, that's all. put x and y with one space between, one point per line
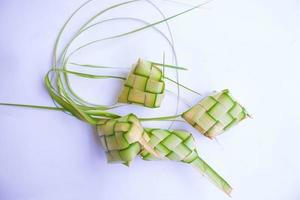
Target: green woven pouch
180 146
144 85
122 139
214 114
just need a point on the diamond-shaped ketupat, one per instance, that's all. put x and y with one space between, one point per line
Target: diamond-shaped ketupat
216 113
173 145
144 85
180 146
122 139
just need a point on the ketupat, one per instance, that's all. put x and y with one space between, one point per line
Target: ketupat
180 146
144 85
215 113
63 94
122 139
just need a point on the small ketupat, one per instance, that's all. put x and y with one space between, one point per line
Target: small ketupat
173 145
180 146
144 85
214 114
122 139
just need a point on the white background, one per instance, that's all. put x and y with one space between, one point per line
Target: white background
250 47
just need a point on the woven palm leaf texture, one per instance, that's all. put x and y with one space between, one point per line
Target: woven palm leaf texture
180 146
144 85
215 113
122 139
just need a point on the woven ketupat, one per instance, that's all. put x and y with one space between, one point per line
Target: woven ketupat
122 138
144 85
216 113
180 146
